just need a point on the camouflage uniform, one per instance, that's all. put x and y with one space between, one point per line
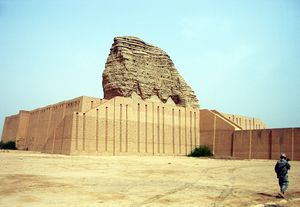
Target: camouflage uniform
281 168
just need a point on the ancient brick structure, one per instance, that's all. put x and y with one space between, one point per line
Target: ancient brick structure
244 122
148 109
130 125
135 66
226 138
121 125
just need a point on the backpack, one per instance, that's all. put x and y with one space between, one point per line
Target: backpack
281 169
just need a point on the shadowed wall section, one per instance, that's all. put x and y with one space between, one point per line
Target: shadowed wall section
224 139
15 128
267 143
216 132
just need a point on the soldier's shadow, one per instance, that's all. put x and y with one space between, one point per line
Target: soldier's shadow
269 195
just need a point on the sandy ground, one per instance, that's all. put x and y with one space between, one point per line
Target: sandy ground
35 179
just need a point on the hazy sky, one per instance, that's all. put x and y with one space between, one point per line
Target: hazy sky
240 57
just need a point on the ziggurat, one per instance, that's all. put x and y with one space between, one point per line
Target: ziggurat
148 109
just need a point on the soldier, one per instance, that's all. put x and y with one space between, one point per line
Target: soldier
281 168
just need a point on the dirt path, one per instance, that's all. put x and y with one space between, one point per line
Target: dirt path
34 179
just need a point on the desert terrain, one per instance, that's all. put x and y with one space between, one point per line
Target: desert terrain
36 179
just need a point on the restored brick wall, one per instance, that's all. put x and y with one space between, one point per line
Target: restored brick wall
55 126
296 145
246 123
261 144
88 103
281 142
61 144
121 125
43 129
241 144
132 125
207 127
15 129
216 133
224 143
10 128
223 140
21 135
267 143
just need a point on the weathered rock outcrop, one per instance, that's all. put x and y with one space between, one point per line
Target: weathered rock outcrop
135 66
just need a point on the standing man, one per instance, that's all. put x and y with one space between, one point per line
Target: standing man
281 168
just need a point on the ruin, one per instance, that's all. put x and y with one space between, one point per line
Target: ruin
135 66
148 109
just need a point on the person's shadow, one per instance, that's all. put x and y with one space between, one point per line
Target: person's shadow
269 195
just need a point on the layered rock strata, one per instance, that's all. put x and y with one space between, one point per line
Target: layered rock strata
136 66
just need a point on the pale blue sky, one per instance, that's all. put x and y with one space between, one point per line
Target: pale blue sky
239 57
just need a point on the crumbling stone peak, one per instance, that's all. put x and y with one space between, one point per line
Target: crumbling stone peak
136 66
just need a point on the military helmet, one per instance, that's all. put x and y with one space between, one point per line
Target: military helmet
282 155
